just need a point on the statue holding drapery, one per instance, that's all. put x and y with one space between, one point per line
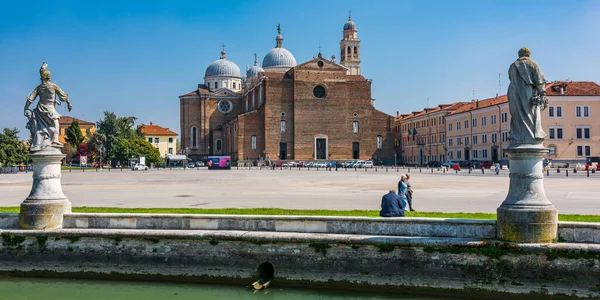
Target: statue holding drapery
526 101
43 119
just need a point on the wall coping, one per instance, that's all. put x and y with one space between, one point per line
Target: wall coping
293 237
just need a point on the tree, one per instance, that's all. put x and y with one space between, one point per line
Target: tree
69 151
137 147
177 146
12 151
109 133
74 135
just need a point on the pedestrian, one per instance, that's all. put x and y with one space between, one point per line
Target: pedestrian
391 205
402 186
409 192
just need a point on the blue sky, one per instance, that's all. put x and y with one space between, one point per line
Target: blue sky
136 57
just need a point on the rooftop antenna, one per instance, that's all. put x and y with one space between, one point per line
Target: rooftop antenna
499 85
320 47
349 15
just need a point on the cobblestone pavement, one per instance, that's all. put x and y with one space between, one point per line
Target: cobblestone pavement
301 189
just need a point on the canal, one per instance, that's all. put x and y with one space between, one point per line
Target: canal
76 289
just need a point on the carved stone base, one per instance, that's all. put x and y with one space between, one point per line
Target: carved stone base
526 215
46 204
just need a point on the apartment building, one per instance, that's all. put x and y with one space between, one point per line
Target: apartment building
420 135
480 129
161 138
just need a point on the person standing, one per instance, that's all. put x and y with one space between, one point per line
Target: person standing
391 205
409 192
402 187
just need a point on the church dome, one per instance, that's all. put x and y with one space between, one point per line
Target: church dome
279 57
350 25
223 67
254 70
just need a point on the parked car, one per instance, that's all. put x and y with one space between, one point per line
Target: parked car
200 164
281 164
300 164
434 164
466 164
191 165
367 164
476 163
139 167
348 164
358 164
504 164
293 164
321 164
449 164
488 164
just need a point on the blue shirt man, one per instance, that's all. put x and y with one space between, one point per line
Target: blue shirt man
391 205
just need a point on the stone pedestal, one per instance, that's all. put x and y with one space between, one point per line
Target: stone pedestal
46 204
526 215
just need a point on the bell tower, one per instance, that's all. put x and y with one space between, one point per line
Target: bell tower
350 48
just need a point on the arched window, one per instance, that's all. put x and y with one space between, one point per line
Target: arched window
216 85
260 95
355 51
246 103
253 99
219 145
234 85
193 138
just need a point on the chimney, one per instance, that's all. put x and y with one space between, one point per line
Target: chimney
562 89
477 103
150 123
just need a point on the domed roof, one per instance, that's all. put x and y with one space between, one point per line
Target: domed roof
223 67
254 70
350 25
279 56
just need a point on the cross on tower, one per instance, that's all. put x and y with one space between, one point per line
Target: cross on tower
222 47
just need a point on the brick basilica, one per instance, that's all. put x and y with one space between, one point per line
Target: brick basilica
317 110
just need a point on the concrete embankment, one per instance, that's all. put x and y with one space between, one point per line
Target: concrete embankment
456 256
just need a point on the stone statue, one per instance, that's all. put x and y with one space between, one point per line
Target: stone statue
43 119
526 100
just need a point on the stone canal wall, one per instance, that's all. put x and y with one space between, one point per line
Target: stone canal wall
570 232
382 263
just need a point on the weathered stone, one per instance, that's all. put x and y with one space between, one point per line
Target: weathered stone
526 215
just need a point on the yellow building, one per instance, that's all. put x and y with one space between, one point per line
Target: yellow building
161 138
480 129
87 128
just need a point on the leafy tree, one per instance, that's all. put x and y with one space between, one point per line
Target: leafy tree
69 151
109 133
74 135
137 147
177 146
12 151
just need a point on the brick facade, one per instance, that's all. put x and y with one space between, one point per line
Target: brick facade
275 97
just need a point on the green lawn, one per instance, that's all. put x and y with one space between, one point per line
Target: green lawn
296 212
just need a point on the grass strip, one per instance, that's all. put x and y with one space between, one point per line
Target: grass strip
297 212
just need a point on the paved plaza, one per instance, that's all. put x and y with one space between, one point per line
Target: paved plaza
300 189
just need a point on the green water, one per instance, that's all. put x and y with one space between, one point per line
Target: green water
66 289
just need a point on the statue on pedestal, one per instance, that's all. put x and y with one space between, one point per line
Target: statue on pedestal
526 215
43 119
46 204
526 100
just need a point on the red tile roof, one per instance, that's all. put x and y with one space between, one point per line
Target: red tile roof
156 130
480 104
426 111
573 88
67 120
570 88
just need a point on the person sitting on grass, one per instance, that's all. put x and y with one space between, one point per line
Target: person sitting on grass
391 205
